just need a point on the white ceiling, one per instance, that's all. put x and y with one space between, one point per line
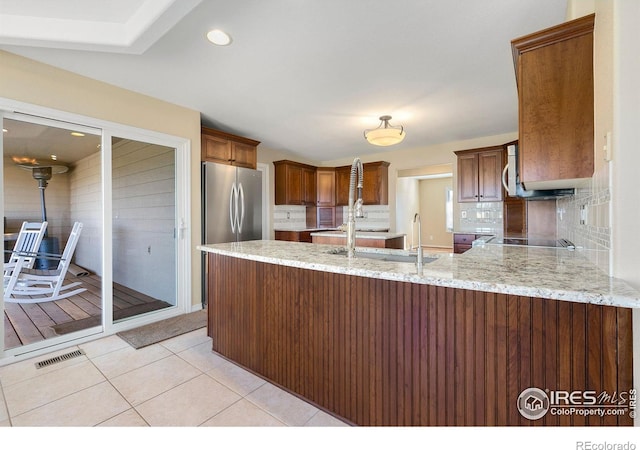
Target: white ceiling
303 76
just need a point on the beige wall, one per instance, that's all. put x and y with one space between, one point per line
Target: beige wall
29 81
433 212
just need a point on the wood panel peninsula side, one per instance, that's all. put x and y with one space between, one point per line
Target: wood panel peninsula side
374 343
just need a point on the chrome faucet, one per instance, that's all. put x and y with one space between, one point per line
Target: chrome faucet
355 206
416 218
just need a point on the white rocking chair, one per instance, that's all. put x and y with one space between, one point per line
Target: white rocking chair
25 282
26 246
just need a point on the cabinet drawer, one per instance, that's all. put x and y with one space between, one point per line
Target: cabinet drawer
463 238
461 248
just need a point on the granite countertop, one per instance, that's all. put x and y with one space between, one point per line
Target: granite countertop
360 234
554 273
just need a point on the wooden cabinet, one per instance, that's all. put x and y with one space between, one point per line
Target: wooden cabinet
326 186
225 148
514 209
326 197
295 183
480 175
462 242
293 236
396 242
514 218
554 73
375 189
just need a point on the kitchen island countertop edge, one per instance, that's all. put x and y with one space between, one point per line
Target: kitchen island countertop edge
558 274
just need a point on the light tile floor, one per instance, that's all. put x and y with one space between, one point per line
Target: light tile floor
177 382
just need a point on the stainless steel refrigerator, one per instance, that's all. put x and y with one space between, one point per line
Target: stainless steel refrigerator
231 207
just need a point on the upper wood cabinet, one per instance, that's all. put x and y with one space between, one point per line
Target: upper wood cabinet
375 189
226 148
326 186
295 183
554 73
480 175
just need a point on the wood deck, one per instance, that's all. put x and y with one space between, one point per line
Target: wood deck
28 323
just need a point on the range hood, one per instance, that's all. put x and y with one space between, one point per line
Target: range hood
511 181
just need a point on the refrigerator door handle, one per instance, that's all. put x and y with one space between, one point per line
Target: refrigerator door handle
241 219
233 207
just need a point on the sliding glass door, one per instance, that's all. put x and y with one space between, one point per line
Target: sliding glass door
114 205
44 162
143 227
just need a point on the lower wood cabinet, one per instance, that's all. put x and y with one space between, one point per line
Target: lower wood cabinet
462 242
293 236
389 353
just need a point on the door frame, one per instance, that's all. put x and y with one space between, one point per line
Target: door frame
182 226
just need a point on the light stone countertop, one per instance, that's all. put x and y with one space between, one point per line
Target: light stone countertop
554 273
360 234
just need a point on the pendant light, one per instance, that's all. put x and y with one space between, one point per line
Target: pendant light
385 134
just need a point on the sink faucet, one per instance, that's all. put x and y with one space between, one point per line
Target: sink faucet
355 206
416 218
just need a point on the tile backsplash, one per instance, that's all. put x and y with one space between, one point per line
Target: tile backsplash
376 217
584 219
293 217
485 217
289 217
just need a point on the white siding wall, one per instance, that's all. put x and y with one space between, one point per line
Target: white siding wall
144 218
86 207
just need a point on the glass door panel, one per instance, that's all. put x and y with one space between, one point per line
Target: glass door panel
143 227
51 173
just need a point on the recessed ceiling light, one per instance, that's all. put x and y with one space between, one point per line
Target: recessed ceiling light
77 134
54 157
219 37
4 130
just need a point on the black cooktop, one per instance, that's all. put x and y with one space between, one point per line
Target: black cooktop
534 242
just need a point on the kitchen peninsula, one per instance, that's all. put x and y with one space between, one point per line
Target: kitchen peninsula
374 343
377 239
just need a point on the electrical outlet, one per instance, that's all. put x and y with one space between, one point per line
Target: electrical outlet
583 214
607 146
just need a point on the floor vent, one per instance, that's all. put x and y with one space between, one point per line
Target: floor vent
57 359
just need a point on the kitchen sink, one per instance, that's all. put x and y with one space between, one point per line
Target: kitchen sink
410 258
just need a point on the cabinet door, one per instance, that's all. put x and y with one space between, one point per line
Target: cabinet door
288 184
342 185
490 176
326 187
243 155
326 217
556 104
468 178
309 186
515 216
375 189
216 149
294 186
